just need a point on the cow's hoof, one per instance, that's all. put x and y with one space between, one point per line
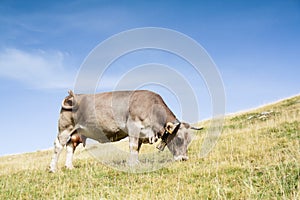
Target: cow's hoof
69 167
51 170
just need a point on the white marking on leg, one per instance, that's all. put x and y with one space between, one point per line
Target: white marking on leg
69 158
57 150
133 158
134 130
134 151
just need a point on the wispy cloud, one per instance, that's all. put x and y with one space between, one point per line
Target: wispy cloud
38 69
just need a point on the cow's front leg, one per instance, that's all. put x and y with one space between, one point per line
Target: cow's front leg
134 148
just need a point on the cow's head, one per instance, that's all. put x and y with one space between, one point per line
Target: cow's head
180 136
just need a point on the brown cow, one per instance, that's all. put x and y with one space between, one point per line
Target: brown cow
141 115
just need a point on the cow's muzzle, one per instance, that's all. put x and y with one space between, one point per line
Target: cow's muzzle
181 158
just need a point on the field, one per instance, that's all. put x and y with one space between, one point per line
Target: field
256 157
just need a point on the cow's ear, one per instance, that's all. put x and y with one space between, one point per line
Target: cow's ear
186 125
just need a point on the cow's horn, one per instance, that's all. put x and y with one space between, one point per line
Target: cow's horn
170 127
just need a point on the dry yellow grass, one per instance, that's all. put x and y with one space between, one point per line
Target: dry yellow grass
256 157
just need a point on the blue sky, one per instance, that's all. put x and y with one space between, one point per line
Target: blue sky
255 45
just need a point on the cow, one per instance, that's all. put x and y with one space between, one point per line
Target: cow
140 115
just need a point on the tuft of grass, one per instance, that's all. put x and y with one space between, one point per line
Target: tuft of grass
255 158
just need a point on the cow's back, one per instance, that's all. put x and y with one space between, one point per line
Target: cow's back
147 105
109 112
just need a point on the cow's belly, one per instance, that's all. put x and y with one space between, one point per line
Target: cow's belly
100 135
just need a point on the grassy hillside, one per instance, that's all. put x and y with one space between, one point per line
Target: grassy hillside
256 157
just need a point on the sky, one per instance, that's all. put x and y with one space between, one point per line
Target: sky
255 46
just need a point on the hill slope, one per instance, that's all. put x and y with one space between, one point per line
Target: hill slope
256 157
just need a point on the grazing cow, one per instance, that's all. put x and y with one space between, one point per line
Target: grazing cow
141 115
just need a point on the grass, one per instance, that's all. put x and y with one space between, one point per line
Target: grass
255 158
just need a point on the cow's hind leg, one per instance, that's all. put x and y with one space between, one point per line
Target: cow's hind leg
75 140
69 157
57 150
59 143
